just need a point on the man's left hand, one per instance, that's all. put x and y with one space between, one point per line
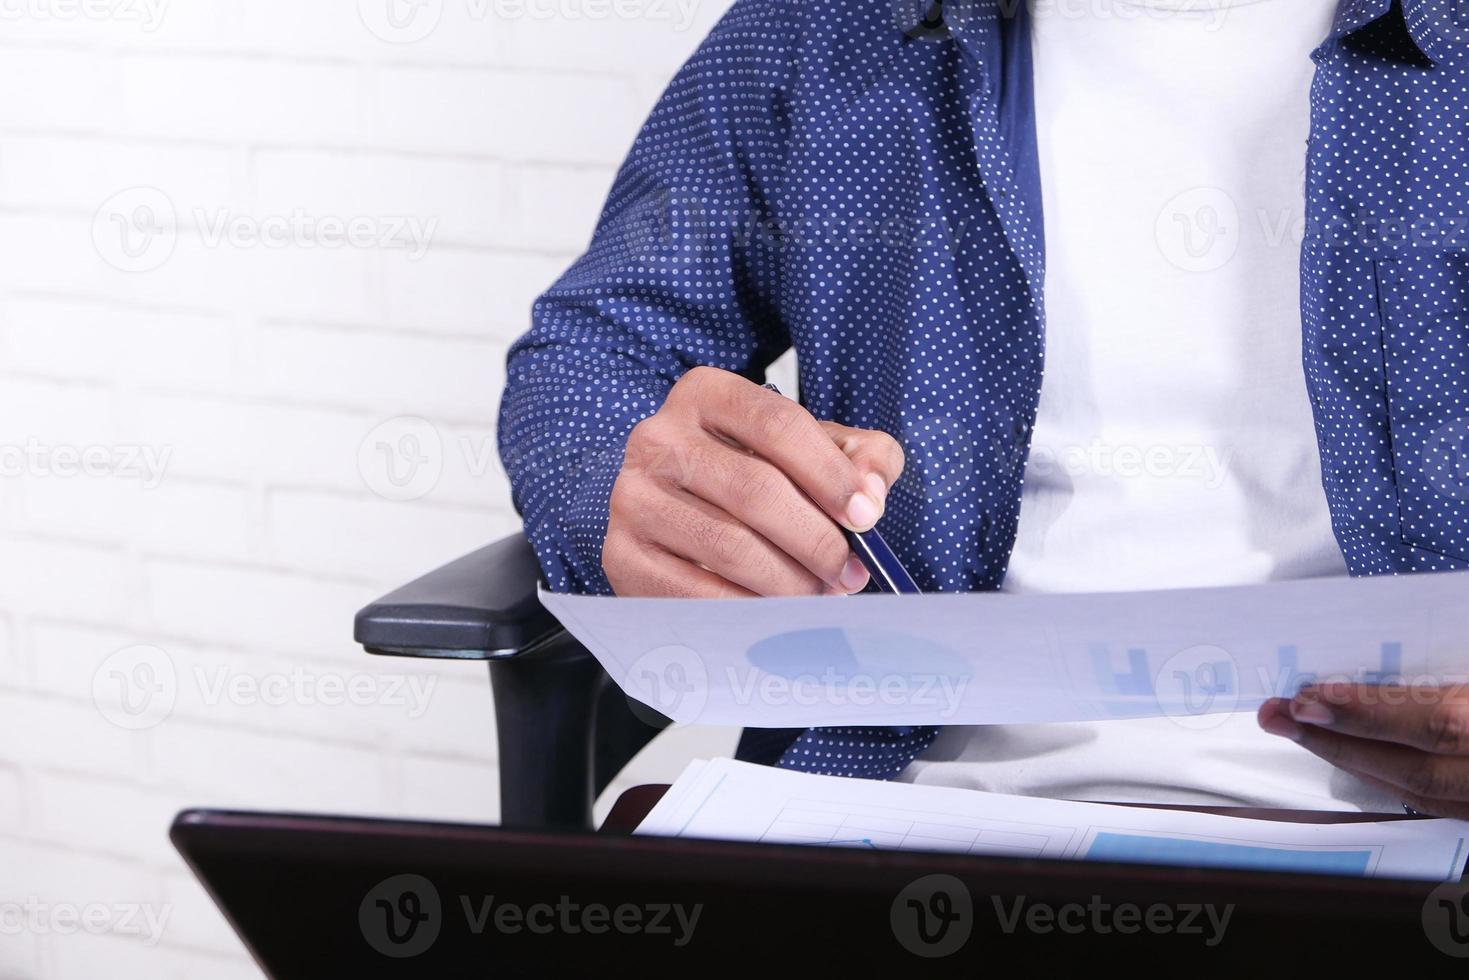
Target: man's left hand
1412 742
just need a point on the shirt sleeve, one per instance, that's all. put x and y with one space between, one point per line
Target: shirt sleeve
680 272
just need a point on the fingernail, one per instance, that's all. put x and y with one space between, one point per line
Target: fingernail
854 574
877 487
1310 711
862 512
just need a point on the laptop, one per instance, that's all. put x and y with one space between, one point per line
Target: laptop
330 896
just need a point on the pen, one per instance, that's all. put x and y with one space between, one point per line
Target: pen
887 572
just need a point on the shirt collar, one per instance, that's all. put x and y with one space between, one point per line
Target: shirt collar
1432 26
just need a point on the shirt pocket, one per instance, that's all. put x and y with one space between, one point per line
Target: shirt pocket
1423 297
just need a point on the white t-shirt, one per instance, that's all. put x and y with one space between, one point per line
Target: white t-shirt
1174 444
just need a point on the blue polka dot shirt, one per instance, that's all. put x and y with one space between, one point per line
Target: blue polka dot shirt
859 180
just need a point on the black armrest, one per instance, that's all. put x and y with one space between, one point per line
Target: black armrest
481 607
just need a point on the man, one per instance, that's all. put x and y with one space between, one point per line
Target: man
869 188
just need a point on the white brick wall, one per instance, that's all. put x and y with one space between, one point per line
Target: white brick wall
228 396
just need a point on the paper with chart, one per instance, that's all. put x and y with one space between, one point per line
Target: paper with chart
994 658
728 800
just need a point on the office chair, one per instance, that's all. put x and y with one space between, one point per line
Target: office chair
564 729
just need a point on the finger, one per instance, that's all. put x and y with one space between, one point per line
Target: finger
1274 717
1410 771
876 454
666 453
1433 719
699 532
786 435
1456 809
764 499
648 571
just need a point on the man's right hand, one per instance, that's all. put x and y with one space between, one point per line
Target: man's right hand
731 489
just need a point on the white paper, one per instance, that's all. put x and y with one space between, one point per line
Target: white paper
993 658
727 800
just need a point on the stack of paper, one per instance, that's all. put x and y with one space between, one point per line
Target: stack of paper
730 800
